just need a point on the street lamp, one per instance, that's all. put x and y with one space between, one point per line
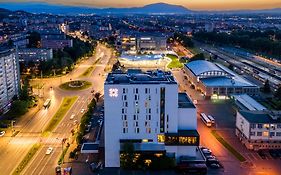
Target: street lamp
12 126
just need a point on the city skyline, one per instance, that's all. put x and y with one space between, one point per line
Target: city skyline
194 5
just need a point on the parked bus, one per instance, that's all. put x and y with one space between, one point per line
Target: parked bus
206 120
212 119
47 103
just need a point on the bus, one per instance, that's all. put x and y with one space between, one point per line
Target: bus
212 119
206 120
47 103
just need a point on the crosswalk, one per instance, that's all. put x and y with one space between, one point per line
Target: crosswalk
255 156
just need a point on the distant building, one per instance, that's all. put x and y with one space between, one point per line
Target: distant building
245 102
151 43
209 27
56 43
144 108
9 77
141 43
216 81
126 43
35 54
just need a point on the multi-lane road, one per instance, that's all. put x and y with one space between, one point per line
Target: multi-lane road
13 149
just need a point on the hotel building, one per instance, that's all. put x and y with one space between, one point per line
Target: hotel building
145 108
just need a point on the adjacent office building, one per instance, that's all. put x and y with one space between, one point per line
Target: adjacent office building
217 81
9 77
257 127
145 108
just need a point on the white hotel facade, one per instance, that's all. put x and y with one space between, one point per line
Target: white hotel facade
145 108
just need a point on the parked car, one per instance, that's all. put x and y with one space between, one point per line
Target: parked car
215 165
49 151
206 151
212 161
2 133
82 110
210 157
96 166
261 154
72 116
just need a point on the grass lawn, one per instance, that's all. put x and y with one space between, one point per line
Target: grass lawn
228 146
26 159
65 86
64 107
63 155
175 62
87 72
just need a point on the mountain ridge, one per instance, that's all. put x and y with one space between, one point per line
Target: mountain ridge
156 8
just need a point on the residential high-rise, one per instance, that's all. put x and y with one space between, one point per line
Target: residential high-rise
9 77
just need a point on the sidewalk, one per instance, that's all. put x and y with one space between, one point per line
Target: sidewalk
24 119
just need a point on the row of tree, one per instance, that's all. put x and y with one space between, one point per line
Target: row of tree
183 39
262 42
63 59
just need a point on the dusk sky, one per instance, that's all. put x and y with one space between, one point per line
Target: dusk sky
191 4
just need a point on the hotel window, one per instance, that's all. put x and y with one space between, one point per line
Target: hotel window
124 97
125 124
259 133
272 134
278 134
137 90
124 117
124 90
148 130
125 130
278 125
136 124
265 133
136 97
253 133
137 130
259 126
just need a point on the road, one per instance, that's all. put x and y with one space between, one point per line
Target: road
45 164
13 149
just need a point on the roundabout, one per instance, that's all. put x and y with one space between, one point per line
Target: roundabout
76 85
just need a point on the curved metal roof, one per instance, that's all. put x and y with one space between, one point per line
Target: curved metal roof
200 66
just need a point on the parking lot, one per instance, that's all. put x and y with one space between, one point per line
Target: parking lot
225 116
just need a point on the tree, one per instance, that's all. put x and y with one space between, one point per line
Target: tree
278 93
97 96
266 87
199 56
24 93
231 67
127 157
34 40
